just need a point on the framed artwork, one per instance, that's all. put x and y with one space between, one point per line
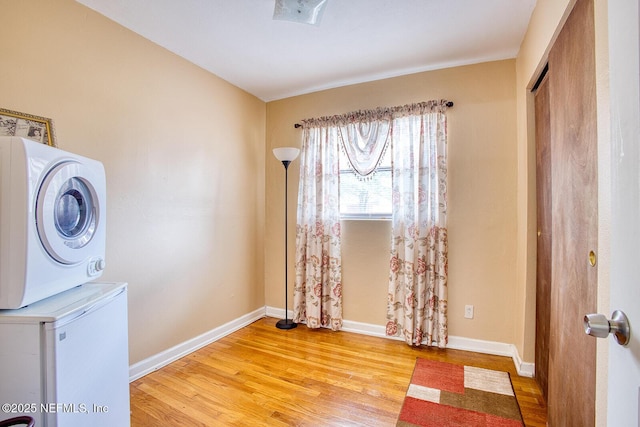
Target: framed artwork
13 123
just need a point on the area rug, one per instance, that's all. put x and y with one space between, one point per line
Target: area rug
442 394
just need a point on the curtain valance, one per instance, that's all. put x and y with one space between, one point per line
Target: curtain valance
379 113
364 134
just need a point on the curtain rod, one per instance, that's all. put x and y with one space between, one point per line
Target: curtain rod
448 104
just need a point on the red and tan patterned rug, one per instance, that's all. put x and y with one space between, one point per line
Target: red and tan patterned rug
442 394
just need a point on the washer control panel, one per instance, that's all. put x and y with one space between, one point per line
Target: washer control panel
95 267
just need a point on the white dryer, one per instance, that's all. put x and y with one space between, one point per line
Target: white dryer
52 221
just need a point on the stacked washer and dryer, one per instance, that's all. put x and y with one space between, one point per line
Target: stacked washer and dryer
63 337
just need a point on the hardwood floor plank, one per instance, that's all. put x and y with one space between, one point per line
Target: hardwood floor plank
263 376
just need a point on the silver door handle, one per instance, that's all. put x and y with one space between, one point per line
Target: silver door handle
598 326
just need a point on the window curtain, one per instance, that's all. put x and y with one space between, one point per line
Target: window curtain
318 282
417 137
417 299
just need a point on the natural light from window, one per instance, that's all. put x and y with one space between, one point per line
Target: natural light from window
365 198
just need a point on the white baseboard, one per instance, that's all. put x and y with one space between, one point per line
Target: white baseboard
457 343
159 360
278 313
524 369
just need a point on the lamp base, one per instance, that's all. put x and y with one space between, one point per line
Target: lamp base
286 324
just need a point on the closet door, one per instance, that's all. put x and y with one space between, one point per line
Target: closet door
543 264
572 95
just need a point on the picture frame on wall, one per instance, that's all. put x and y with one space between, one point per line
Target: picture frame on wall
14 123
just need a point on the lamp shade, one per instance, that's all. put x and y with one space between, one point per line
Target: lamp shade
286 154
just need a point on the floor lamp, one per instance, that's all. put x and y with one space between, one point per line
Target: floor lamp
286 155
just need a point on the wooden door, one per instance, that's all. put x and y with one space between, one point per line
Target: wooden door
572 95
544 256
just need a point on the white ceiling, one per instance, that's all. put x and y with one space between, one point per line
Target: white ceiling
356 41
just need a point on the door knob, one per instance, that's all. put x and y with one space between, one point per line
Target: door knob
597 325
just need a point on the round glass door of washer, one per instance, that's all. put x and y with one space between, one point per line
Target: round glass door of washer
67 212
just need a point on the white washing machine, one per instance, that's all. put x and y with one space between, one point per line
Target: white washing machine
52 221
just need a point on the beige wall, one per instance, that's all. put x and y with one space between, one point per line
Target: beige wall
184 156
543 27
482 197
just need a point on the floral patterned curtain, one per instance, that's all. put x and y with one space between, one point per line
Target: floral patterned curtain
417 300
318 285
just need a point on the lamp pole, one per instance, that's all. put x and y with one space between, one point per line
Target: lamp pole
286 155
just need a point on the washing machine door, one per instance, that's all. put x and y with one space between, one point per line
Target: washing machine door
67 212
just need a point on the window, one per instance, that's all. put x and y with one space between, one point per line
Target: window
365 198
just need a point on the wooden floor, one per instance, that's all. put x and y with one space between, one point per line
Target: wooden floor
261 375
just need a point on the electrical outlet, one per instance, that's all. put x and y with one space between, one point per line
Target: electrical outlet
468 312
